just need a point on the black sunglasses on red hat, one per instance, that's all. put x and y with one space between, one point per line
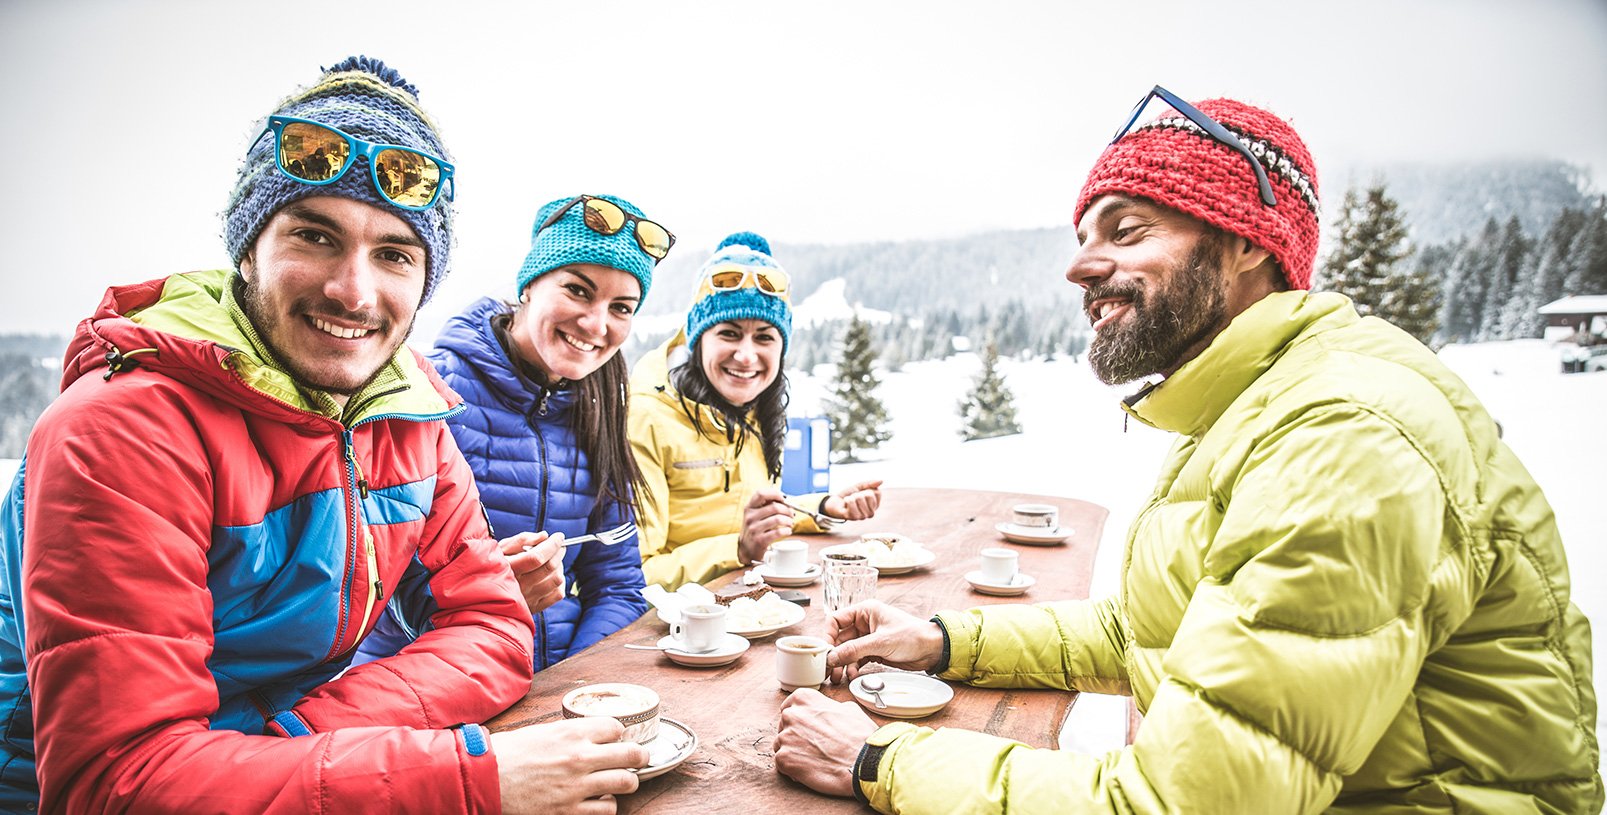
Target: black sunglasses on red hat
1210 127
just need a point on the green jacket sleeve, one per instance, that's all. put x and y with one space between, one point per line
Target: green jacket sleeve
1297 649
1076 645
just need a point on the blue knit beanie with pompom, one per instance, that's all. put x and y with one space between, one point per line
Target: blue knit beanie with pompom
746 251
366 99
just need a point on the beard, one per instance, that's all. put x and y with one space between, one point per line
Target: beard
1166 321
268 323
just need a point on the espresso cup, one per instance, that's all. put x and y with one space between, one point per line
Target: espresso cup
700 628
801 662
789 557
999 565
1036 516
634 706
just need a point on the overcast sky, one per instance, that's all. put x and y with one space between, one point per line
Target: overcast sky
807 121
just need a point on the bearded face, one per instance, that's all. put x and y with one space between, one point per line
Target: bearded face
1166 320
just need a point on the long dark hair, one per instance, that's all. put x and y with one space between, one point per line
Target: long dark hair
769 410
599 420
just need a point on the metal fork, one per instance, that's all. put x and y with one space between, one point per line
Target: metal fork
825 522
607 537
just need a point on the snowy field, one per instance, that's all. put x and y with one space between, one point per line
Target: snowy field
1075 443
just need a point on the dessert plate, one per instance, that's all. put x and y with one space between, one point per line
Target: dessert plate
674 743
1033 536
907 695
726 652
921 556
795 614
1017 585
809 575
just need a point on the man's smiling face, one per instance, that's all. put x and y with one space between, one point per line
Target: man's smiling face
332 286
1153 287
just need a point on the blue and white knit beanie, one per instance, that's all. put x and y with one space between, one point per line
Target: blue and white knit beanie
748 251
366 99
569 240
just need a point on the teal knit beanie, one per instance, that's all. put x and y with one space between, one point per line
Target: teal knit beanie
569 241
744 250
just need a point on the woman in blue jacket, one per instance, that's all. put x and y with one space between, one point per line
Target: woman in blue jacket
543 428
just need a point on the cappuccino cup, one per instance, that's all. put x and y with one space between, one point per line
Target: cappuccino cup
1036 516
634 706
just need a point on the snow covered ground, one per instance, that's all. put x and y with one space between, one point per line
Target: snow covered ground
1075 443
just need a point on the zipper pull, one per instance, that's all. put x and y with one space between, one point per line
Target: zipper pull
351 455
727 479
541 404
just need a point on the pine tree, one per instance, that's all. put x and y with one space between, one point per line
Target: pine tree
858 418
989 409
1467 285
1411 294
1507 283
1367 265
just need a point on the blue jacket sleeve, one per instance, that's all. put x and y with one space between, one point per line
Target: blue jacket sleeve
610 581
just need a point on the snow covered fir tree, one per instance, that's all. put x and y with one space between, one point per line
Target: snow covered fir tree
858 418
1368 264
989 410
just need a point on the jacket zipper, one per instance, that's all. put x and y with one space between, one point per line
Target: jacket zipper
355 478
541 517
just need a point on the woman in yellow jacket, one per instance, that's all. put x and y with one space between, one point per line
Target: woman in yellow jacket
707 423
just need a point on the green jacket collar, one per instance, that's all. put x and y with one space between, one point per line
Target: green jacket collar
1195 396
202 306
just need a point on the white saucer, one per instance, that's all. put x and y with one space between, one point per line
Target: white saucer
1033 536
907 695
1017 585
731 646
809 575
674 743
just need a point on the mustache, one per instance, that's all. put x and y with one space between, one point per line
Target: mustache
334 312
1125 290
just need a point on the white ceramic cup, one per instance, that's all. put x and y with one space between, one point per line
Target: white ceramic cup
999 565
789 557
636 707
801 662
700 629
1036 516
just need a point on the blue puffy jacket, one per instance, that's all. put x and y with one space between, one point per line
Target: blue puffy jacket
520 443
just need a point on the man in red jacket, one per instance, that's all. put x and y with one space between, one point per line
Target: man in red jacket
242 467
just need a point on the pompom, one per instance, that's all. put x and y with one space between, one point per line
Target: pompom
752 240
373 66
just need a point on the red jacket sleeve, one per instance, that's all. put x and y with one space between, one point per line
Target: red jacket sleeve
119 633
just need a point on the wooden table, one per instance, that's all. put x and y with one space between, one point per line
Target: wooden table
734 709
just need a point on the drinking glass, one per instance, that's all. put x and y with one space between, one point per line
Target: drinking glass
848 583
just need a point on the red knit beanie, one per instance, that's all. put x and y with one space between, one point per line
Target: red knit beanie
1174 163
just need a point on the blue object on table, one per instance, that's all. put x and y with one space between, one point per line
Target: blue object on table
806 457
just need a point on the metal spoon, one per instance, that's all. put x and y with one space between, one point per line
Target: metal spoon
874 686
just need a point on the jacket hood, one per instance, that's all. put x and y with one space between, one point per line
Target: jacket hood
651 377
183 327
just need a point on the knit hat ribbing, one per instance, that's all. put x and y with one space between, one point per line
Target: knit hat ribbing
370 101
1172 162
569 241
745 250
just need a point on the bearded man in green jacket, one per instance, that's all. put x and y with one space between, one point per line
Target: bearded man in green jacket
1346 594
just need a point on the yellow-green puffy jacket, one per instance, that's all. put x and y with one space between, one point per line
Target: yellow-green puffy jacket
698 484
1345 595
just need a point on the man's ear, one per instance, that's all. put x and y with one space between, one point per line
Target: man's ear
1245 256
248 264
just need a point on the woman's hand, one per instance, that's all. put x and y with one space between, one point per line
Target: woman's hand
537 559
855 503
766 520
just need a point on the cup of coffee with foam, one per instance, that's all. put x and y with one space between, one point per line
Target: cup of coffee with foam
1036 517
634 706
